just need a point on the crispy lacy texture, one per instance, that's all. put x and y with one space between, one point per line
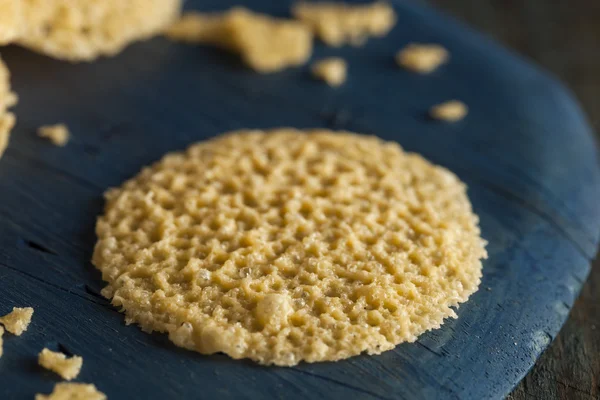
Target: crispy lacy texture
337 24
288 245
82 30
265 44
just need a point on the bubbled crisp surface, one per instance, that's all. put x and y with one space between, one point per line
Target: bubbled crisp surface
288 245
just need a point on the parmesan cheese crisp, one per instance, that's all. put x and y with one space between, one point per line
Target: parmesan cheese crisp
82 30
284 246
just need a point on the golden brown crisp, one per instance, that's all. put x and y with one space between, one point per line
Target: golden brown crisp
11 20
17 321
83 30
7 100
266 44
287 245
73 391
422 58
339 23
58 134
67 368
332 70
450 111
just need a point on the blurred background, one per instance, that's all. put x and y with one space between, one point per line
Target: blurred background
564 37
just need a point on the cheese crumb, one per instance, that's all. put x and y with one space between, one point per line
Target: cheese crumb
451 111
422 58
73 391
1 341
67 368
17 321
339 23
7 100
58 134
265 44
332 70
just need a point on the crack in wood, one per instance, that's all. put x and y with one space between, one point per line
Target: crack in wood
344 384
38 247
508 195
105 304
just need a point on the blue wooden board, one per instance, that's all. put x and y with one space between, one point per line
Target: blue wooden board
525 151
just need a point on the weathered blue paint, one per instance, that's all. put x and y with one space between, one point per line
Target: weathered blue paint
525 150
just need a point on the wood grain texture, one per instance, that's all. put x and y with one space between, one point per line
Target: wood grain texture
525 151
563 37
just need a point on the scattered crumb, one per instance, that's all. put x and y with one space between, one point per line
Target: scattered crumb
68 368
7 100
332 70
489 289
1 341
73 391
17 321
57 134
339 23
451 111
422 58
265 43
515 343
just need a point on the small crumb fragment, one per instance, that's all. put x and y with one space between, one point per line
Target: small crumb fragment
332 70
17 321
7 99
339 23
451 111
422 58
266 44
73 391
58 134
67 368
1 341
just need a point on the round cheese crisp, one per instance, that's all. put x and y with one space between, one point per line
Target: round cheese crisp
286 246
82 30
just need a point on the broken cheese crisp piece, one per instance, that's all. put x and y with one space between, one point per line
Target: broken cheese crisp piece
17 321
266 44
332 70
451 111
57 134
339 23
67 368
73 391
82 30
7 100
1 341
11 20
422 58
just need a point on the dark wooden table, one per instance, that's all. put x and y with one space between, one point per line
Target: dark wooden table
564 37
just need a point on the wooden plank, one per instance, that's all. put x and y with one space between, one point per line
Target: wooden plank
562 37
525 151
